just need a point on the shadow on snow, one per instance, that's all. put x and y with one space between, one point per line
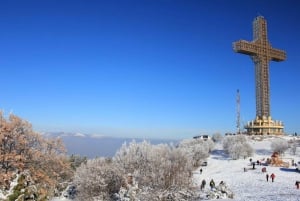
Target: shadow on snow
288 170
263 152
219 154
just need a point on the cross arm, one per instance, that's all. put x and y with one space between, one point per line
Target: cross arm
278 55
245 47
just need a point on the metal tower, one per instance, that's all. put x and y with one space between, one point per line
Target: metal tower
261 53
238 116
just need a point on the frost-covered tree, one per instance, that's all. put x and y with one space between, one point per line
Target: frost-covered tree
156 170
217 137
279 145
77 160
97 179
196 149
155 166
293 148
237 146
134 156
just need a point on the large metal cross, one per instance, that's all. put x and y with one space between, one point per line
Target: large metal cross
261 53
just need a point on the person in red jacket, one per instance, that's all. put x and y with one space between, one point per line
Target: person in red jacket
272 177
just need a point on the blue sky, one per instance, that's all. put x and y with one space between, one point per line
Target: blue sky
143 68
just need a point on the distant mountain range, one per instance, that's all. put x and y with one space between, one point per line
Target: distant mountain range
93 146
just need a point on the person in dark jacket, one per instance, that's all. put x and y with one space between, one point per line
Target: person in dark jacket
212 184
203 183
272 177
267 177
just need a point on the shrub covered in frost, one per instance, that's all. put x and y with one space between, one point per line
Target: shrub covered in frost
197 150
156 166
217 137
237 146
279 145
155 171
98 179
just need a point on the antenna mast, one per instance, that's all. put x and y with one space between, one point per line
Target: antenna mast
238 115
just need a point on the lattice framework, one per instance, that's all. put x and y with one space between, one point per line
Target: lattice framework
261 53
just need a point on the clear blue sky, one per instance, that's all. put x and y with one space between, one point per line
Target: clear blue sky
143 68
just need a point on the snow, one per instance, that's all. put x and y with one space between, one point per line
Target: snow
2 197
252 184
60 199
13 184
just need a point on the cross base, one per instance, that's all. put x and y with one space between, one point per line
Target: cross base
264 126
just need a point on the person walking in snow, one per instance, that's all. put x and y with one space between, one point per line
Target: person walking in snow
272 177
212 184
267 177
201 171
203 183
297 184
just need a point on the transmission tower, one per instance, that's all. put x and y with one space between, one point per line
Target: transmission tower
238 114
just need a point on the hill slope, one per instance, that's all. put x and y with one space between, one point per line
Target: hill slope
252 184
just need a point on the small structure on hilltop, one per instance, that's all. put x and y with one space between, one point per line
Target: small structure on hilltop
203 137
277 161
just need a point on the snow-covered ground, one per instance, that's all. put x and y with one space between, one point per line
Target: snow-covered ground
252 185
60 199
13 184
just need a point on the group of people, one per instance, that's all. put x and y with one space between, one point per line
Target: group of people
253 163
264 169
272 177
211 184
297 184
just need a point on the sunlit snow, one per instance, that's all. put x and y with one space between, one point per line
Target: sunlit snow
252 184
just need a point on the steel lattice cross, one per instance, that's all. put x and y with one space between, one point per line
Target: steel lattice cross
261 53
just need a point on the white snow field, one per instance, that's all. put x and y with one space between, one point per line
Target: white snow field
252 185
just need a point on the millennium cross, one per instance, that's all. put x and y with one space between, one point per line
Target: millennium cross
261 53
